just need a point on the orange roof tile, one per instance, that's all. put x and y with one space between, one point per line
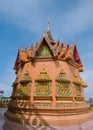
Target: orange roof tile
58 50
23 56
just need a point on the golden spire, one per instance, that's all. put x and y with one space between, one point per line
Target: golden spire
48 29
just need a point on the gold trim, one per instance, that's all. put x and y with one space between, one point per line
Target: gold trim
43 98
64 98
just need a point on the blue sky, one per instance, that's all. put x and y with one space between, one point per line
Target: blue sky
22 23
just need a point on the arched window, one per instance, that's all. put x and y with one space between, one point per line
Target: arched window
77 85
43 84
63 84
25 85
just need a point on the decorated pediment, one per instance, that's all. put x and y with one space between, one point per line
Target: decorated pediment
83 84
43 76
62 77
26 78
63 84
44 51
43 84
76 79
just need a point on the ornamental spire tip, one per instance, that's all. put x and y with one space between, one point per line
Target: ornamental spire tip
48 29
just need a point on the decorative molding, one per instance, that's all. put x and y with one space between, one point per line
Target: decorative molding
60 98
78 90
43 76
44 51
43 98
25 89
42 104
62 77
63 84
83 84
26 78
79 98
76 79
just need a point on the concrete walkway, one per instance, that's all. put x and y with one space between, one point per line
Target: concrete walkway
9 125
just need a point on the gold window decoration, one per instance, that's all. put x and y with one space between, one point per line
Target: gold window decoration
76 79
15 87
78 90
43 84
25 84
77 84
63 84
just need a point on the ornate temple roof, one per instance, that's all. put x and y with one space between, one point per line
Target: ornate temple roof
48 48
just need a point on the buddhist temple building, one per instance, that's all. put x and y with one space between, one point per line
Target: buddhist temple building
48 89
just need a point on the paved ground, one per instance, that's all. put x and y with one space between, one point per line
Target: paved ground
9 125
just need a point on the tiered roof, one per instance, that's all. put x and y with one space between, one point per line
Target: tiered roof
57 49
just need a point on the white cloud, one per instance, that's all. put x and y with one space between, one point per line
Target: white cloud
79 18
31 14
27 14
